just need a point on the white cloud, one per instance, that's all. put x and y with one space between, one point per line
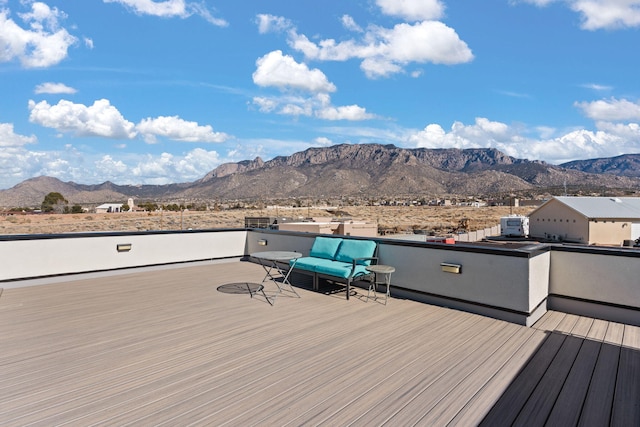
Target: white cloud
197 163
318 106
272 24
597 87
323 141
168 168
170 9
178 129
349 112
611 110
8 138
100 119
42 45
608 14
601 14
69 164
265 105
387 51
54 88
413 10
282 71
108 166
350 24
607 141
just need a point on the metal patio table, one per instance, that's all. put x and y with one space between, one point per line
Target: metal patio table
269 260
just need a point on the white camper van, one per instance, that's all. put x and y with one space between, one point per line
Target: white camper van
514 226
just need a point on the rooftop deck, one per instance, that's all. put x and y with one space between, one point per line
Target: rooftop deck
169 347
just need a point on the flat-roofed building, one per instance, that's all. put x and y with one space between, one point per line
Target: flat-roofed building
344 228
588 220
109 208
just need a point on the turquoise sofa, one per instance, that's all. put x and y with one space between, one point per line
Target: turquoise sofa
337 259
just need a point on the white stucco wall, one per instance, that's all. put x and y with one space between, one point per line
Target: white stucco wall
596 276
51 256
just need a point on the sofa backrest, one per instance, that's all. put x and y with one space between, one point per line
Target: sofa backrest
352 249
325 247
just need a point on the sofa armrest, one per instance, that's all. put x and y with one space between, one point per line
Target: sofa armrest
354 262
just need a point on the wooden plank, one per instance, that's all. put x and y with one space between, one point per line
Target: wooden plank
450 405
615 333
582 327
626 405
507 409
479 405
598 402
568 406
567 324
549 321
430 396
598 330
541 401
388 393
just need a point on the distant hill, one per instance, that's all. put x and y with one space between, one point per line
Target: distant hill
625 165
361 170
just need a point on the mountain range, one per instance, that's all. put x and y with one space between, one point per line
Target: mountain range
359 170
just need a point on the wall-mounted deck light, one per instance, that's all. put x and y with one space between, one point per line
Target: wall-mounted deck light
451 268
123 247
262 242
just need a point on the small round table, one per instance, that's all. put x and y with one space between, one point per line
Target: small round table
381 276
269 261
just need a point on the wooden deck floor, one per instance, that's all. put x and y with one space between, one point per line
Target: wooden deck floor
171 347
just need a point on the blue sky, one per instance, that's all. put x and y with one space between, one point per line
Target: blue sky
155 92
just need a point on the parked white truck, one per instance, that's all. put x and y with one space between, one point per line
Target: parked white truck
514 226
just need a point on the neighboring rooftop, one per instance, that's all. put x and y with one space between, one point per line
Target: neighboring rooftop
604 207
177 347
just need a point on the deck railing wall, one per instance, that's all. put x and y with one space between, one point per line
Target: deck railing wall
509 284
599 282
48 255
513 284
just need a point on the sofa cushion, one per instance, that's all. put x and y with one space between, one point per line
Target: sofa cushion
306 263
325 247
338 269
352 249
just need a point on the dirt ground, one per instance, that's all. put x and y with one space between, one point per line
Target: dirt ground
392 218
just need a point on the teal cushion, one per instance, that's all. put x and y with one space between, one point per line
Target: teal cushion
305 263
325 247
339 269
352 249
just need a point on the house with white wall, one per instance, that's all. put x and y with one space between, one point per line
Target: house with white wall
588 220
109 208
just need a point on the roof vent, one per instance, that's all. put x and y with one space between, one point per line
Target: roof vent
615 199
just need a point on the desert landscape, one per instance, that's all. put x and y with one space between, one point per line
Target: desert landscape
441 219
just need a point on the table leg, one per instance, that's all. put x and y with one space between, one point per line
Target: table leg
259 289
285 276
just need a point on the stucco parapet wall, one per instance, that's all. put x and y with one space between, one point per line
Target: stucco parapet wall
598 250
526 250
15 237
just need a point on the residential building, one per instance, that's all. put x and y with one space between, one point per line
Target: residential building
109 208
588 220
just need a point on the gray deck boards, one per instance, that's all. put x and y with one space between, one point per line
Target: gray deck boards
168 347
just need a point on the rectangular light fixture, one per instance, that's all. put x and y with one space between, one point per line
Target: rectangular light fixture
262 242
123 247
451 268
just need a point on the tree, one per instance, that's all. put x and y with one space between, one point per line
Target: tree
76 209
125 208
54 202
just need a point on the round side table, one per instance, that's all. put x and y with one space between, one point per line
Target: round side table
381 276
